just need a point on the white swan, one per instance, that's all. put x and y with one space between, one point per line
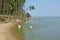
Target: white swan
30 27
19 26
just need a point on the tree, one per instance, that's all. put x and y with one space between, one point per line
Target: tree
28 15
2 6
11 6
31 7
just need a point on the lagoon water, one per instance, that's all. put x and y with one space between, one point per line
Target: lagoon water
47 28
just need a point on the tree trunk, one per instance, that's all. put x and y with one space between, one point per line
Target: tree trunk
2 6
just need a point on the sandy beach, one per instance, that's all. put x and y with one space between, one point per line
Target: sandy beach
5 32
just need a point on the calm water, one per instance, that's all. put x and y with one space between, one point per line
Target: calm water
47 28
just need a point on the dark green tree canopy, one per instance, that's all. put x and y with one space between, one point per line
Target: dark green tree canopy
9 5
31 7
28 15
14 7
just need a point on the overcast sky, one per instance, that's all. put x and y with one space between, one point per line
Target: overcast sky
44 8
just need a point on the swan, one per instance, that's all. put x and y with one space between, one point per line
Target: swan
19 26
30 27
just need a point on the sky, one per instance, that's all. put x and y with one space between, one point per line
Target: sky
44 8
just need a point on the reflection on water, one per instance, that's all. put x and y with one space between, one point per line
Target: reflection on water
45 29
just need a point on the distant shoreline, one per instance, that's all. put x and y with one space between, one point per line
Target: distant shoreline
33 18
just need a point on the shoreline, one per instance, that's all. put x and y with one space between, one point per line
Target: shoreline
6 32
16 33
11 28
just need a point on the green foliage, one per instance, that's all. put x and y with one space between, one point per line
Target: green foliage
10 7
28 15
14 7
31 7
22 1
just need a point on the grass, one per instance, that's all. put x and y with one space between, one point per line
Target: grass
18 34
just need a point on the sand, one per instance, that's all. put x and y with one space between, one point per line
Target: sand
5 32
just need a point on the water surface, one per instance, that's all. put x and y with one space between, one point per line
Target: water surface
47 28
